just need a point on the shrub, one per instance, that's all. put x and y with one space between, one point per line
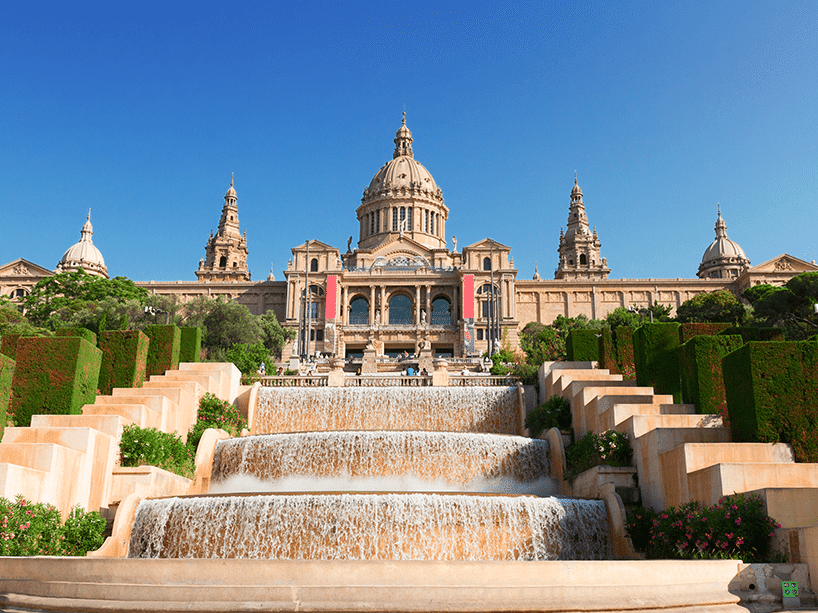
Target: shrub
248 357
124 359
163 350
656 347
702 379
583 345
611 448
149 446
215 413
736 527
190 345
35 529
555 413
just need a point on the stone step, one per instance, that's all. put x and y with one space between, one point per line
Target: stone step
648 448
604 412
185 406
582 393
711 483
48 457
558 380
139 414
78 439
193 388
156 402
230 376
642 424
30 483
108 424
792 507
211 384
679 462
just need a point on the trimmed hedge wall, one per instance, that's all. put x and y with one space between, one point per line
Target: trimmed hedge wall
607 355
756 334
163 352
688 331
190 347
85 333
656 348
616 351
53 376
582 345
8 346
772 395
6 374
124 359
702 379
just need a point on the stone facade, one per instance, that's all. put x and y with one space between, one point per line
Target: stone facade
401 289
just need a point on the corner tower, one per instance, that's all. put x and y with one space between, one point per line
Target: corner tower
402 200
226 253
579 249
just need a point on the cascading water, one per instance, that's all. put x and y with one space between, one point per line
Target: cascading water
382 460
409 440
438 409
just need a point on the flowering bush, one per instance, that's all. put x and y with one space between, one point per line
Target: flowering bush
736 527
610 447
629 372
149 446
35 529
215 413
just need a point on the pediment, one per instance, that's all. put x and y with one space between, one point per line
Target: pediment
401 246
487 244
315 246
784 263
24 268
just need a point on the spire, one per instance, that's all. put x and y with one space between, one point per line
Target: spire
87 229
721 226
231 192
403 140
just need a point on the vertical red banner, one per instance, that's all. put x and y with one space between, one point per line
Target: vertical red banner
332 297
468 296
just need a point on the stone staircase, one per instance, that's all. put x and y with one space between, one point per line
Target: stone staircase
682 456
69 460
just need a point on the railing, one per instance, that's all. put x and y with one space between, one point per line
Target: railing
481 381
294 381
378 381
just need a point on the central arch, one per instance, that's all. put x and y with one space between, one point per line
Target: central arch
400 310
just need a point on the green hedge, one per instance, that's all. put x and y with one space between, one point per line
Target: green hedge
53 376
8 346
85 333
124 359
756 334
6 374
702 380
163 352
190 347
689 330
656 348
772 395
582 345
616 351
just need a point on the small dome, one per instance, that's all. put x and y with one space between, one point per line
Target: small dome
84 254
576 190
724 257
231 193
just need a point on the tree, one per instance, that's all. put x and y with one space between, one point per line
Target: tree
224 323
791 306
274 336
12 321
717 307
542 343
248 357
70 295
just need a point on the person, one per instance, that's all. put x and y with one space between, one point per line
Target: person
424 373
280 371
410 371
465 372
261 369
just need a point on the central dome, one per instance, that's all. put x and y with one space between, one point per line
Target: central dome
84 254
724 258
402 200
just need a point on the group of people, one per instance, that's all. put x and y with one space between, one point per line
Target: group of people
411 372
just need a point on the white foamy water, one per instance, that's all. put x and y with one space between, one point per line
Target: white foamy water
371 527
381 460
441 409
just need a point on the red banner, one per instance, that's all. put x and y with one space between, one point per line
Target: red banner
332 297
468 296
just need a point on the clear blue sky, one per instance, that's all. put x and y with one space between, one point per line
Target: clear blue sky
141 111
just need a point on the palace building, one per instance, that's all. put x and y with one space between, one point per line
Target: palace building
402 289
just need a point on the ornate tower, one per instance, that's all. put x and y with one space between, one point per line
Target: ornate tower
579 249
226 253
724 258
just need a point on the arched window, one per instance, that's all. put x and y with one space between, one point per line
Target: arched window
223 261
400 310
359 312
486 263
583 259
235 264
314 265
441 312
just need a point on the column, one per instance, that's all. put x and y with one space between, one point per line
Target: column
418 305
371 305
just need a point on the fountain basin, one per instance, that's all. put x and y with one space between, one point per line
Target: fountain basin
417 526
